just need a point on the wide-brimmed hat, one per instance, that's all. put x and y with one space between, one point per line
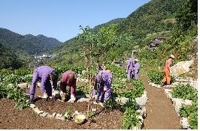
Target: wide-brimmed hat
172 56
109 71
136 60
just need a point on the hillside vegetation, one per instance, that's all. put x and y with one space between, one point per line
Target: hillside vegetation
176 20
23 46
28 44
8 58
155 16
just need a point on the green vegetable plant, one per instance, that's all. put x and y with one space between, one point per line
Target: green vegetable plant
155 76
185 92
130 119
190 111
111 103
14 93
68 113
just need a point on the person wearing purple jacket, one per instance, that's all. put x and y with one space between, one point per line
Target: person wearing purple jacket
97 81
129 68
104 80
136 69
45 74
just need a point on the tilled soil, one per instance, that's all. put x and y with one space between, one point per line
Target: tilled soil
53 105
11 118
160 111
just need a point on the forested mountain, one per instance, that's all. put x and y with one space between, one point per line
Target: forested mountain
95 29
156 18
27 44
114 21
8 59
15 48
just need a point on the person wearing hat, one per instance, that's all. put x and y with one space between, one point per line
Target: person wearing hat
68 79
136 69
166 71
45 74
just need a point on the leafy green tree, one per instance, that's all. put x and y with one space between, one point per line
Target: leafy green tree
8 59
187 14
102 44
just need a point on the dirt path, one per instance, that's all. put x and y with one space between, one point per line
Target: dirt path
160 111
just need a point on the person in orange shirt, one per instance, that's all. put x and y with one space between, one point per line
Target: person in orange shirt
166 71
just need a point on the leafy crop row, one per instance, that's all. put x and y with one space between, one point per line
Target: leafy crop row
14 92
155 76
188 92
185 92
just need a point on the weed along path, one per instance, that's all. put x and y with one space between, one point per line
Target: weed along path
160 111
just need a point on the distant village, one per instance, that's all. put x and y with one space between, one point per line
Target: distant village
39 59
44 56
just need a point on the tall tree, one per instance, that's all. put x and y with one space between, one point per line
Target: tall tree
187 14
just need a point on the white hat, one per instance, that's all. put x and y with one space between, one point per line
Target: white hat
136 60
172 56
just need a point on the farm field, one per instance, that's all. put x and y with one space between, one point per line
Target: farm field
110 117
159 112
149 61
11 118
147 108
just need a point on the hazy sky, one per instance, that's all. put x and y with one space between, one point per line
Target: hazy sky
60 19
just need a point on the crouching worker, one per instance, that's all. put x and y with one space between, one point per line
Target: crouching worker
68 79
103 86
45 74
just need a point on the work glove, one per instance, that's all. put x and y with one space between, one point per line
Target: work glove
55 92
45 96
94 97
38 84
105 89
72 99
101 104
63 96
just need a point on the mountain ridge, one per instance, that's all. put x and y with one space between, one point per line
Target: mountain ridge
27 44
